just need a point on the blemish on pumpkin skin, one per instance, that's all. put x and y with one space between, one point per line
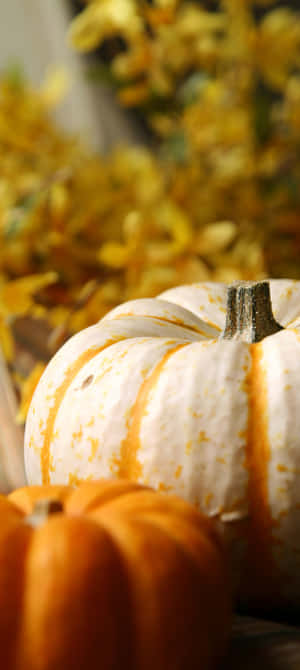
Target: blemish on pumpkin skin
129 464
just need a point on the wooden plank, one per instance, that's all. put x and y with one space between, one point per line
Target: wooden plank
12 474
263 645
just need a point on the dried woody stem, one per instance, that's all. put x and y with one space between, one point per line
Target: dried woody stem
249 314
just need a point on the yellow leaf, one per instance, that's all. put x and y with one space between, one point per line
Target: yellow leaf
6 340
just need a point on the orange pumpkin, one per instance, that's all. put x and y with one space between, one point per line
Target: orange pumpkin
109 575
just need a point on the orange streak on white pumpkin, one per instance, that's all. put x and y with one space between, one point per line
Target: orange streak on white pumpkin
175 321
129 466
258 454
59 395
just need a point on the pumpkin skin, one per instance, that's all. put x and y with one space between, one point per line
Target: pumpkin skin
154 394
122 577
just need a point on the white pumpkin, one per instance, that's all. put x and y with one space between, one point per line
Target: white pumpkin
168 392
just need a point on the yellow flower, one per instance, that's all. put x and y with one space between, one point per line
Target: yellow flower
277 47
105 19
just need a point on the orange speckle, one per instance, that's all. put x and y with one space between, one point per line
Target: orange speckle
221 460
188 447
288 293
91 422
77 436
164 487
196 415
282 468
99 377
202 437
58 396
114 464
287 387
74 479
94 446
51 464
208 498
178 471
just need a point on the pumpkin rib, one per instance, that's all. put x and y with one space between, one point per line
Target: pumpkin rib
15 541
60 392
67 596
144 502
195 546
113 490
129 464
258 454
157 648
173 322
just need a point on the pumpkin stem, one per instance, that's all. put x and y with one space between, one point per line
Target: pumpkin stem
43 509
249 314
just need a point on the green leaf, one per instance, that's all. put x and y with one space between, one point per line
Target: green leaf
191 90
175 148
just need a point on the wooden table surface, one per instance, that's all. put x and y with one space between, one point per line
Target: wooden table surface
263 645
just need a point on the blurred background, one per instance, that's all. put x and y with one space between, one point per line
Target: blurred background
144 144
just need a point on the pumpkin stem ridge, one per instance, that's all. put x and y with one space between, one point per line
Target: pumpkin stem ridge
249 314
44 508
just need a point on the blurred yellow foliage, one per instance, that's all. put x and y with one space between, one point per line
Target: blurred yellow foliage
220 200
